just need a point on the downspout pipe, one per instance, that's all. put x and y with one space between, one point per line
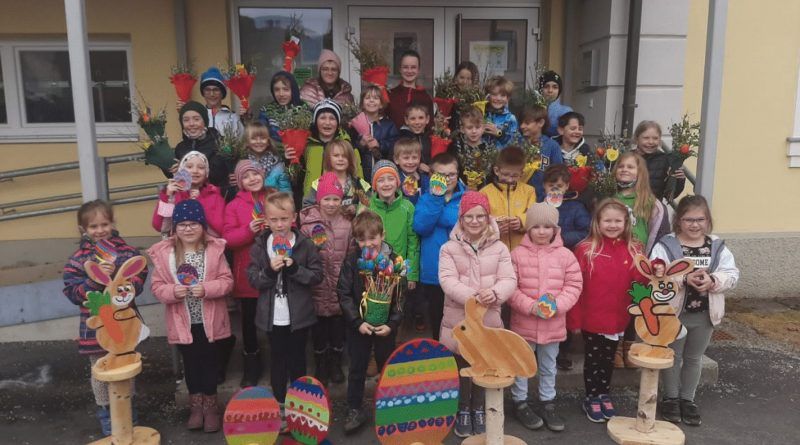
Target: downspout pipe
631 67
181 48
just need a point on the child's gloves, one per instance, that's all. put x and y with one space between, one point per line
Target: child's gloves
545 306
438 184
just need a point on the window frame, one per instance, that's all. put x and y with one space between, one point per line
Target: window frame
16 130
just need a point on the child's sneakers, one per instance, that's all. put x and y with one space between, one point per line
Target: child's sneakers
591 406
526 416
671 410
478 421
553 421
463 426
607 406
690 413
355 419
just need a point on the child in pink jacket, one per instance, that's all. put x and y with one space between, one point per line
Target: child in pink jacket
549 282
191 277
473 264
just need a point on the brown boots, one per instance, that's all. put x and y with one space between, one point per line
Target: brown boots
203 413
621 359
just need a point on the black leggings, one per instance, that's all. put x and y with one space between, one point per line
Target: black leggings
287 358
359 347
200 362
328 332
598 363
435 299
470 396
249 332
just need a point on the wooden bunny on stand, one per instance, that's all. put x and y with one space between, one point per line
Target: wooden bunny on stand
495 356
119 329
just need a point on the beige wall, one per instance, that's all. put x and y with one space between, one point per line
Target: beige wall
754 189
149 25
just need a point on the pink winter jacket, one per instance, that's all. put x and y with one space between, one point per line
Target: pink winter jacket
463 272
210 198
217 283
333 252
544 269
239 238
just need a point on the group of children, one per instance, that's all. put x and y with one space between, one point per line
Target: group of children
508 245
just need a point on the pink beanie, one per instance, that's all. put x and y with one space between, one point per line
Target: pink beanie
472 199
329 56
244 166
329 185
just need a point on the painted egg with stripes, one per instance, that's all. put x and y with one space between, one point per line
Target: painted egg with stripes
252 417
308 412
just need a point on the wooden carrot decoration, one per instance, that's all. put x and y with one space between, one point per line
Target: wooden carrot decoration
99 304
641 297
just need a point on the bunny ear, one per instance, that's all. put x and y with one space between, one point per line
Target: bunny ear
679 267
643 264
96 273
132 267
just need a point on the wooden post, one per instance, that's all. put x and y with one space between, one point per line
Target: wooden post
648 398
119 397
495 416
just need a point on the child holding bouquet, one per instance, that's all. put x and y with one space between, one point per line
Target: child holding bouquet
260 149
190 182
374 133
474 264
549 284
244 220
647 137
364 336
285 95
329 229
191 278
96 226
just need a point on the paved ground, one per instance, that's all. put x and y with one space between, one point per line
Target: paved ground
45 397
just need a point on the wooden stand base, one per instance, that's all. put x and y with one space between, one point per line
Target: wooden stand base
623 431
494 412
119 396
645 429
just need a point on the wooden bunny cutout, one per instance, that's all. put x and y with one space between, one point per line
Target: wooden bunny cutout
492 352
655 320
119 328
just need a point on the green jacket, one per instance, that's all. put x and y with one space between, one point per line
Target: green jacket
313 160
398 217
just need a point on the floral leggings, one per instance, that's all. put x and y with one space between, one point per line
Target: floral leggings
598 363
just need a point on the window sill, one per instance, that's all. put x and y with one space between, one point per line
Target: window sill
66 134
794 151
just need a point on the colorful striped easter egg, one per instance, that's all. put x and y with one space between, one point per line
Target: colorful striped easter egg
308 412
417 395
252 417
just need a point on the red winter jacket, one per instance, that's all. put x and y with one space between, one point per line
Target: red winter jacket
237 233
210 198
333 251
401 97
603 305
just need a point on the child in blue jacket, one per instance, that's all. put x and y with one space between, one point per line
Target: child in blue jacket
434 217
531 125
550 85
501 127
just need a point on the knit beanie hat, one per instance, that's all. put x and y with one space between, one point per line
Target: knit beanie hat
329 56
472 199
327 106
542 214
196 107
329 185
189 210
213 77
244 166
384 167
550 76
192 155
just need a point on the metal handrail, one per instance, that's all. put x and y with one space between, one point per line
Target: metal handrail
8 207
52 168
72 208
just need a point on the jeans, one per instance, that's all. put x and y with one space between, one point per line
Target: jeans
359 347
546 360
681 380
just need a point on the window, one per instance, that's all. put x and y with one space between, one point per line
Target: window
39 105
263 30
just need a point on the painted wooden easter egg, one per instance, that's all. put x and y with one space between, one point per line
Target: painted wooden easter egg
417 395
252 417
308 412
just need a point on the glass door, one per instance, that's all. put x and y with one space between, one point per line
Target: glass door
394 30
500 41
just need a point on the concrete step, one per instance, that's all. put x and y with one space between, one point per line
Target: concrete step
566 381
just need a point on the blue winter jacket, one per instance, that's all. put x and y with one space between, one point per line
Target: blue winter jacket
424 185
278 179
555 110
573 219
506 122
434 218
551 155
386 133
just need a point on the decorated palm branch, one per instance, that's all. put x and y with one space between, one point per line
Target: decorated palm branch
603 182
382 278
157 150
